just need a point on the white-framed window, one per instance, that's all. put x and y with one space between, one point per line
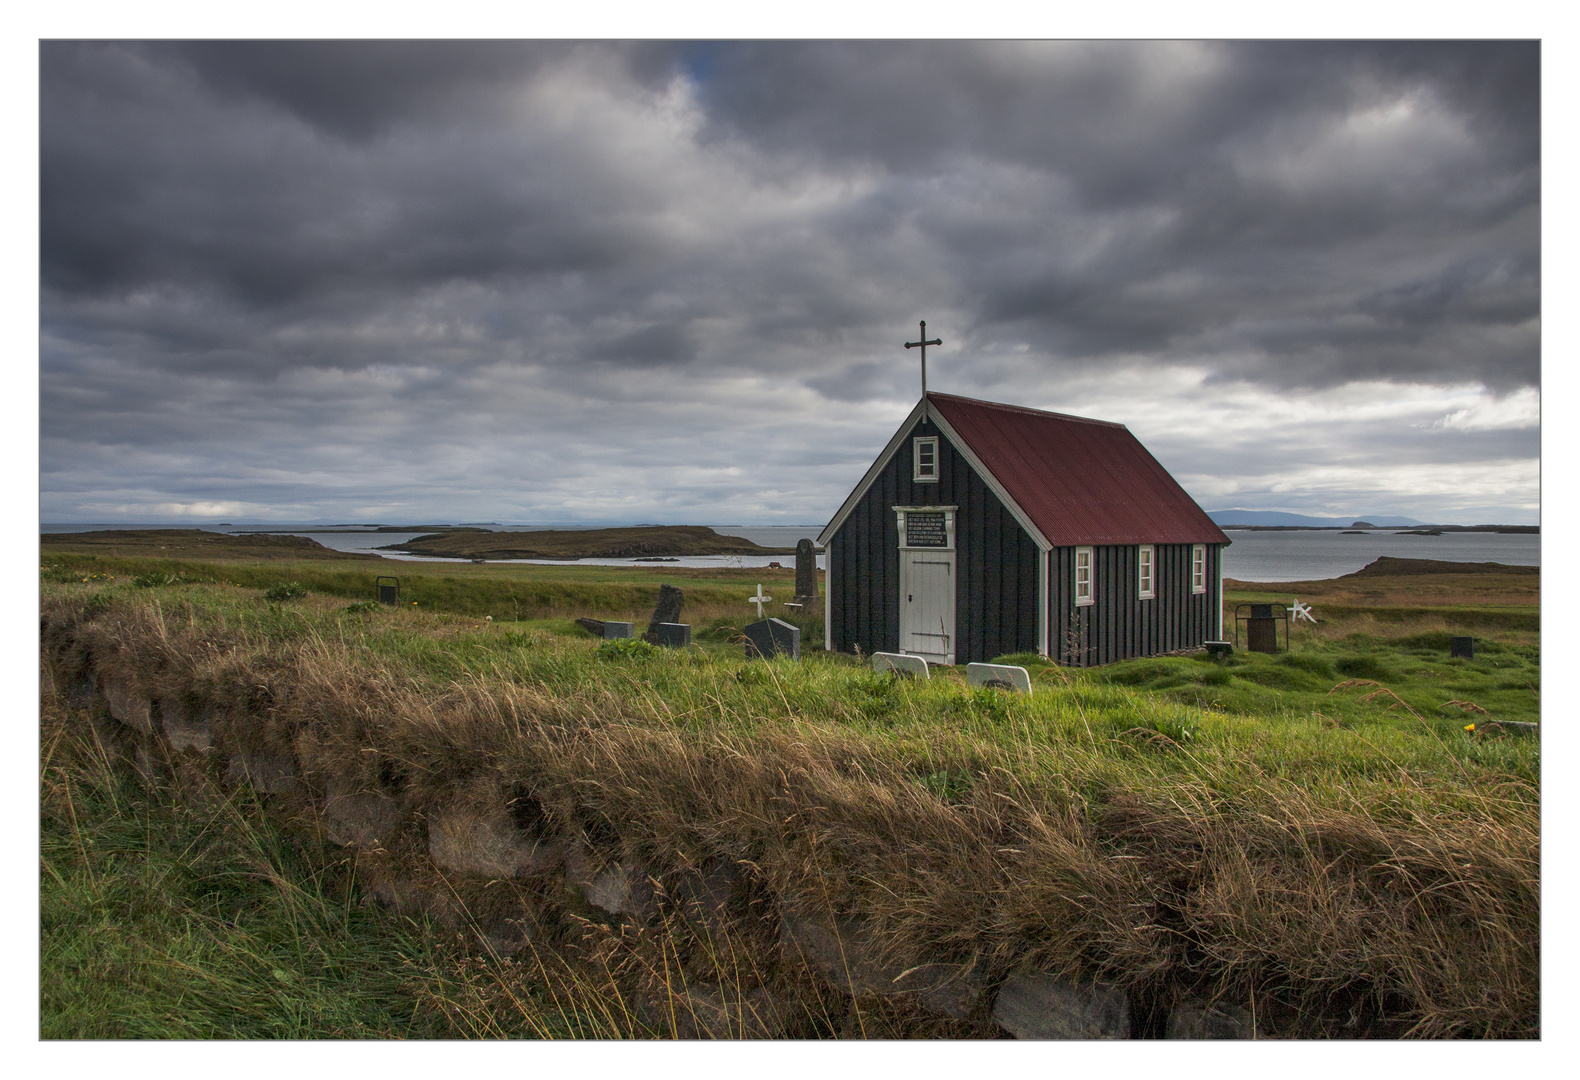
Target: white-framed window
1145 574
1198 568
924 459
1083 576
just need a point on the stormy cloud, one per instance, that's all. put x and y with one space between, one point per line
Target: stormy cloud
525 281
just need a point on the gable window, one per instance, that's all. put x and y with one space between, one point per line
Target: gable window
1144 564
924 455
1198 568
1083 576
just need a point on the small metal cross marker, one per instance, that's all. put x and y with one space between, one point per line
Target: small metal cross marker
759 600
1301 611
922 344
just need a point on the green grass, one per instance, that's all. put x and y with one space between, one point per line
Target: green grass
713 597
161 919
1289 714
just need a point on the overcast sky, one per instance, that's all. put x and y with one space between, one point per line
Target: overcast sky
525 282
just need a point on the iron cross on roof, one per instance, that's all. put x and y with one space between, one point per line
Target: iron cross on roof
923 344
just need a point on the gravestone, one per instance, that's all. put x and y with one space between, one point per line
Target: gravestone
805 572
1219 650
1261 631
667 610
771 638
999 676
671 635
592 626
900 664
612 630
1463 647
666 613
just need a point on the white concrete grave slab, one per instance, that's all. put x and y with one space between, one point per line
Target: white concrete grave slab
899 663
999 676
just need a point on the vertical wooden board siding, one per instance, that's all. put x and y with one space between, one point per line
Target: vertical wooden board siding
1121 625
888 598
995 610
836 633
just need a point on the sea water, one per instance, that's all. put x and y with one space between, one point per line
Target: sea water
1289 555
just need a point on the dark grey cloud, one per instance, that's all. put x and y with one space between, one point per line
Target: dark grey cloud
289 262
1244 164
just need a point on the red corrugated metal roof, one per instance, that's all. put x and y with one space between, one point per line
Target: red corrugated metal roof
1080 481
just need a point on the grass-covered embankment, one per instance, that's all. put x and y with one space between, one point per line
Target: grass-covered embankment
164 916
165 919
1339 863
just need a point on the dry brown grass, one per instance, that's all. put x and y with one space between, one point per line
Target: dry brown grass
1326 914
1392 582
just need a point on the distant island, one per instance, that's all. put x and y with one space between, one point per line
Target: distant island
1281 519
193 543
641 542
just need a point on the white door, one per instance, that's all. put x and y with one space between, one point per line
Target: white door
927 605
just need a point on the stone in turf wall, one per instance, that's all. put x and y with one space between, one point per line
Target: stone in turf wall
711 1011
182 729
81 689
619 886
463 841
507 938
621 889
709 897
365 820
1209 1022
1036 1005
266 771
842 951
129 705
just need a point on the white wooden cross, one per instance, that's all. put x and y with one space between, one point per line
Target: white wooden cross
759 600
1301 611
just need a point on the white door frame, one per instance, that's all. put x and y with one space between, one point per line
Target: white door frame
930 552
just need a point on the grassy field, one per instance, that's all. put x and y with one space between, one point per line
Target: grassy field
1338 836
552 596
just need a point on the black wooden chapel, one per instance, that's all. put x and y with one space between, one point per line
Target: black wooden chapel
985 529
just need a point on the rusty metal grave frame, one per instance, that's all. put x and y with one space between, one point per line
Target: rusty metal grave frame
388 589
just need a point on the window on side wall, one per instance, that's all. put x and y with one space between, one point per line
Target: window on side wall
924 457
1083 576
1198 568
1144 564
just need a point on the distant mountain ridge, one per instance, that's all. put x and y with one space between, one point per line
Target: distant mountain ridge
1279 517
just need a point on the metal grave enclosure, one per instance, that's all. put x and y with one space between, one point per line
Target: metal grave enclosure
927 582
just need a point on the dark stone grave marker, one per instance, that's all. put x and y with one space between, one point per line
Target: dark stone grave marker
771 638
613 630
666 613
671 635
1463 647
805 572
667 610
